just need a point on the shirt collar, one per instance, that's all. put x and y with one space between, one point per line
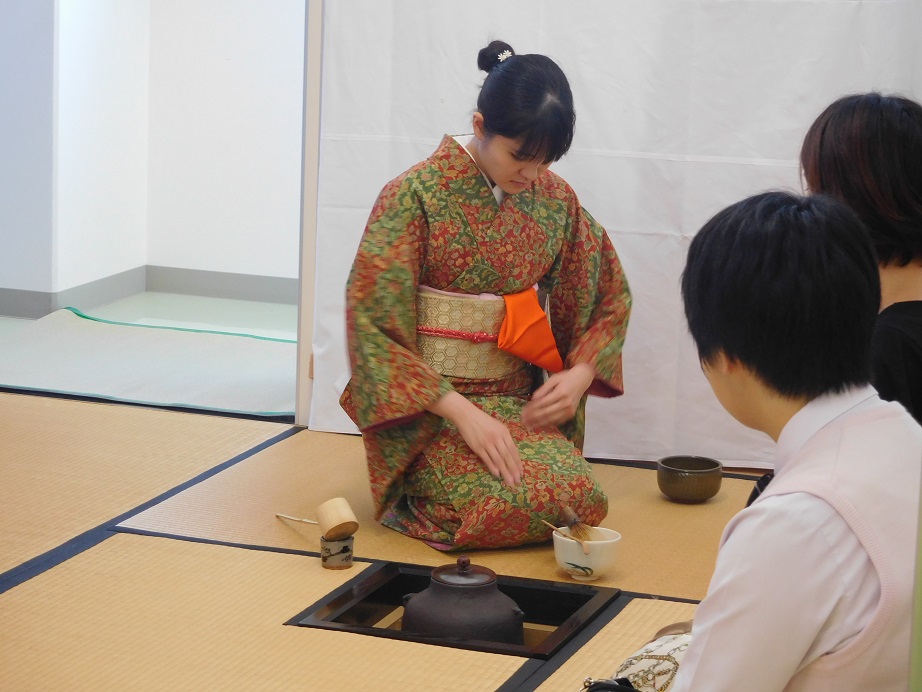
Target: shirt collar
815 415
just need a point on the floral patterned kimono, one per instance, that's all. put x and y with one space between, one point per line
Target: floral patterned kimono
439 225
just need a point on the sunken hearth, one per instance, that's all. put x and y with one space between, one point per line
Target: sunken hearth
372 604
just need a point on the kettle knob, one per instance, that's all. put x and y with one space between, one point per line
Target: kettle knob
464 564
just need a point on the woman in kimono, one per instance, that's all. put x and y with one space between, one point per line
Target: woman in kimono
471 399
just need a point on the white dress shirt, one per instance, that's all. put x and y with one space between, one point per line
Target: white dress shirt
792 581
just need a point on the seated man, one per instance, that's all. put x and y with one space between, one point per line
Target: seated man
813 584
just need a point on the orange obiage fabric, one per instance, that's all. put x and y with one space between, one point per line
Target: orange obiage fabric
526 332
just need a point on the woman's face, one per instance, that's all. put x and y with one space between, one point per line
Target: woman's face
499 158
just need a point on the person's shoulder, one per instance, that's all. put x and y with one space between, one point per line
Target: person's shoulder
902 318
789 510
448 160
552 190
410 177
773 520
784 503
898 335
395 187
906 314
783 524
409 191
553 185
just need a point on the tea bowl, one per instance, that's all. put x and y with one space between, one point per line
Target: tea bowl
603 549
689 479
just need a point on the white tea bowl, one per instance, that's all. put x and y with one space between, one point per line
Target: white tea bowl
603 549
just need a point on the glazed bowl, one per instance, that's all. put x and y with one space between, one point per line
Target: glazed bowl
689 479
603 549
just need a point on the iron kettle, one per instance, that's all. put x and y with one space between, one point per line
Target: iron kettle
464 602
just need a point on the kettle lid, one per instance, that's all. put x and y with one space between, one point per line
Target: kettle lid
464 574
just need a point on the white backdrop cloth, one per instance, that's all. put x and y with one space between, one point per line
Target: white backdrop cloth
683 107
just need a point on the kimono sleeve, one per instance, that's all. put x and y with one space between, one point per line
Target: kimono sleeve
590 302
390 383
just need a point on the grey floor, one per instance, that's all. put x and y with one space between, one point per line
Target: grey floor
10 325
273 320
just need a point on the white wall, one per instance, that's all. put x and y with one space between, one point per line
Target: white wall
102 117
148 133
26 142
914 28
226 86
683 107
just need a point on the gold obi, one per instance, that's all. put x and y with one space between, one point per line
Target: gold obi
456 335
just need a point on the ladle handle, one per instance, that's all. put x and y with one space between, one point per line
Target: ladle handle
556 530
306 521
572 538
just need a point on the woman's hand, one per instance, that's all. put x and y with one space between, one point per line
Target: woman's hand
490 439
556 400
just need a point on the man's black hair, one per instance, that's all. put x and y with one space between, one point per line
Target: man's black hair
789 287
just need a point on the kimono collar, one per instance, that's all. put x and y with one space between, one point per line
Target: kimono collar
498 192
460 169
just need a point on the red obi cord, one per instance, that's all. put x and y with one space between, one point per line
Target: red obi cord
475 337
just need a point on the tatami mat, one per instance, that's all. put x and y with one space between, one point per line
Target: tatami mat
68 466
624 635
668 549
143 613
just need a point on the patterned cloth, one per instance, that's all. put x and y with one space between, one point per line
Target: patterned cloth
654 667
439 225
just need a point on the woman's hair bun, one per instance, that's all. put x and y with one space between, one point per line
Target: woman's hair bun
488 57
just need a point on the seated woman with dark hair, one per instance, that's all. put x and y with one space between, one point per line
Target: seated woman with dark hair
866 151
468 443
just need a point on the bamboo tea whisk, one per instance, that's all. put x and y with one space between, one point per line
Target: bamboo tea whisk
579 530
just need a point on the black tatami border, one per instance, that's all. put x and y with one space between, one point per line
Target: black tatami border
88 539
528 677
231 544
531 674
